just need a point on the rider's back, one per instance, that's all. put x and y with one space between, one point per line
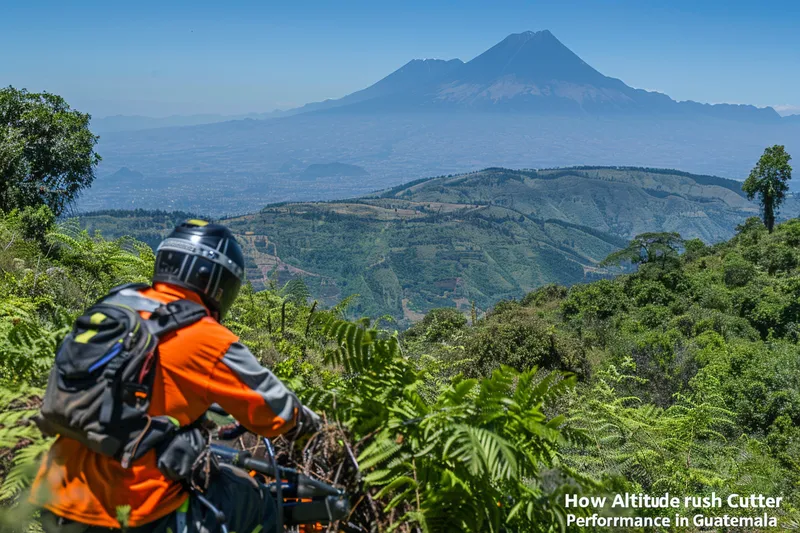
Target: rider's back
81 485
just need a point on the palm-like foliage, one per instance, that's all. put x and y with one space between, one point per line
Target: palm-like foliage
673 450
44 289
471 460
296 291
21 442
98 263
27 348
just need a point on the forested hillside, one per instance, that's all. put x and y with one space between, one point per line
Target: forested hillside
680 377
477 238
400 259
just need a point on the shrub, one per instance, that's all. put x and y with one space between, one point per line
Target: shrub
518 341
601 299
737 271
437 325
542 295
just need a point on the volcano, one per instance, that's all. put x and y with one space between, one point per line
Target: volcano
529 72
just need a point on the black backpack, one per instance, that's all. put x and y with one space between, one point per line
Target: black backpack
99 390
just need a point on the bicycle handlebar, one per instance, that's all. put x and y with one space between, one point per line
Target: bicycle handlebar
310 500
300 485
327 503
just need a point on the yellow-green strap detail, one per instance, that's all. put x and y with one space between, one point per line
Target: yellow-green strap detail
97 318
86 336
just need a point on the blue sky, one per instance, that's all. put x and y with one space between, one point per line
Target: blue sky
161 58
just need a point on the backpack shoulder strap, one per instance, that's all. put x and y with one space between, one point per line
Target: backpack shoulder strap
164 317
176 315
133 299
132 286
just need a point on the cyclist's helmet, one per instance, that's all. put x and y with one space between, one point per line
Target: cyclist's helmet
204 258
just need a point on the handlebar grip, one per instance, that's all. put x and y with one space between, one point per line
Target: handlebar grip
299 485
294 484
230 456
330 509
302 486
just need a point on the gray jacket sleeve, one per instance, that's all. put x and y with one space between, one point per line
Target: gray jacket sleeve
252 394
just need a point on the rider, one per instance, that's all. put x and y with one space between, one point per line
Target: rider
199 365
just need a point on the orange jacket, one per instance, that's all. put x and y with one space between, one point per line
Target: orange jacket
198 365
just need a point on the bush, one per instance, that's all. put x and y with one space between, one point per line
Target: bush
600 300
518 341
542 295
737 271
36 223
777 257
789 232
695 249
438 325
650 293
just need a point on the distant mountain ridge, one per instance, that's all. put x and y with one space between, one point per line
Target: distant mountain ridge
128 176
408 78
120 123
527 102
552 173
526 72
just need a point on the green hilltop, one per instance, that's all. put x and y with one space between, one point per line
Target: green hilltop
623 201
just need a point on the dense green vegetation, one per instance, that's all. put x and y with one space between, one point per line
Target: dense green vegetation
687 368
147 226
680 377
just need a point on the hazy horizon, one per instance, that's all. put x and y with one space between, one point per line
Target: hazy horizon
158 60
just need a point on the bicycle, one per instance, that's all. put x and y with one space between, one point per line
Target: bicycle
304 503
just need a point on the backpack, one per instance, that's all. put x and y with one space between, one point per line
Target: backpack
99 389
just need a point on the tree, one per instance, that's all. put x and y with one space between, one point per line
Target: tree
46 151
438 325
769 180
648 248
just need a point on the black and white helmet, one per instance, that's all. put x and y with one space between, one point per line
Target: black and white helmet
204 258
